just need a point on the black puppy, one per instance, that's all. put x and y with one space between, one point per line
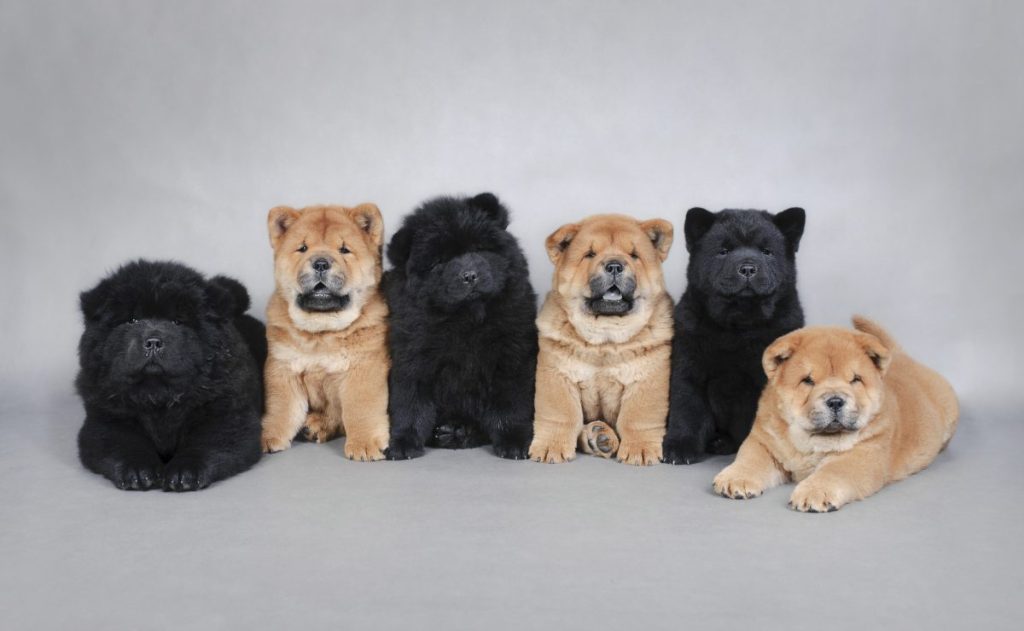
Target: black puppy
462 334
170 377
740 296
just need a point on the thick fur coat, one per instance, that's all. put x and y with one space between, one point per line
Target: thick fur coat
740 296
170 378
462 336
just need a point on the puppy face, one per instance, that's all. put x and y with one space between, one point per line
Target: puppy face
609 266
742 253
829 380
456 251
327 260
149 328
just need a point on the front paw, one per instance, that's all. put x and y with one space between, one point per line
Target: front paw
686 450
187 474
404 448
811 496
365 448
551 452
514 444
137 476
639 453
272 443
733 484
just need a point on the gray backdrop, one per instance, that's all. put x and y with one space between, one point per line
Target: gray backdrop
168 129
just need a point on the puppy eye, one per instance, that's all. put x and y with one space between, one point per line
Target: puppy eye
724 251
767 251
344 249
634 255
807 380
856 379
302 248
590 254
133 320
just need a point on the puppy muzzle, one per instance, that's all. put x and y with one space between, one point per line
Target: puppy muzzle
834 413
612 290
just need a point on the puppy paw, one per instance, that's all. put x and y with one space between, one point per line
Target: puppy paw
685 450
543 451
734 485
137 476
512 449
317 429
638 453
404 448
600 439
187 474
365 449
815 498
272 443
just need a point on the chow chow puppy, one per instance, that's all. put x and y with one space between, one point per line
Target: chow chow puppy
740 296
170 377
462 334
605 342
327 326
844 413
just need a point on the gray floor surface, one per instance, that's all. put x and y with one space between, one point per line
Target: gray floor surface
464 540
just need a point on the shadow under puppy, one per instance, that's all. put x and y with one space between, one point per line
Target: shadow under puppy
740 296
605 333
462 335
170 377
326 327
844 413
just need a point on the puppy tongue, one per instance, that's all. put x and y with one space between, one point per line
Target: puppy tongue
612 295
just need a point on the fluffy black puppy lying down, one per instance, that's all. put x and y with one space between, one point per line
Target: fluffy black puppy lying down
740 296
170 374
462 335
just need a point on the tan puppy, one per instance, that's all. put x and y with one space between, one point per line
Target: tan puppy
605 342
327 370
844 413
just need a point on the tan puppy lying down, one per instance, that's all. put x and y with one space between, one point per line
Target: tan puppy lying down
844 413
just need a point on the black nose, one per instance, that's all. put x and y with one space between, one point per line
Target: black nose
614 266
747 270
469 277
153 344
321 265
835 403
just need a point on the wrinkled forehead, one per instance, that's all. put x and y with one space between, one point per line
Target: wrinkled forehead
325 225
832 355
608 235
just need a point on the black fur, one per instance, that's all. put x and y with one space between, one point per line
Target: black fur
170 375
723 323
462 334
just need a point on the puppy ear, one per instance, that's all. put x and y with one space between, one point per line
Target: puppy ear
279 219
226 297
399 247
560 240
698 222
790 223
93 302
659 231
367 217
489 203
877 352
778 352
